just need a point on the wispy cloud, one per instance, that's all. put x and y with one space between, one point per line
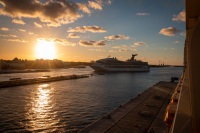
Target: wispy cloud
93 29
31 33
183 33
142 14
63 42
121 48
98 50
116 37
170 31
112 51
92 43
16 40
18 21
109 2
176 42
58 41
100 2
37 25
172 48
8 35
72 35
4 29
22 30
180 17
94 5
84 8
137 44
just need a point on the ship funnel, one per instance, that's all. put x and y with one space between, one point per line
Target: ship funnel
133 56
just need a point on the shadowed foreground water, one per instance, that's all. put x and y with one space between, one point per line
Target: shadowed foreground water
68 106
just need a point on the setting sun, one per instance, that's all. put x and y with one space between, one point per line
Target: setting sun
45 49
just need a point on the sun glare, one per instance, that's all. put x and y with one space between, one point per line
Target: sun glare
45 50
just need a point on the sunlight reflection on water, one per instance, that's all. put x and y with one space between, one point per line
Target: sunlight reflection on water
41 115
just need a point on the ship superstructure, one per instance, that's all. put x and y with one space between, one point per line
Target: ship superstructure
115 65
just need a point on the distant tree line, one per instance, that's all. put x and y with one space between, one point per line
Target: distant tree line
21 64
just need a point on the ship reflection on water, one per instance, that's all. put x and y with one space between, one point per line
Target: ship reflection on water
40 115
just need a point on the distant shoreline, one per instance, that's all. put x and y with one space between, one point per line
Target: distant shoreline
23 71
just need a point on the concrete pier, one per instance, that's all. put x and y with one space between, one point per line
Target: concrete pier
144 113
18 82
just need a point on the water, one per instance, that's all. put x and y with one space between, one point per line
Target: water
68 106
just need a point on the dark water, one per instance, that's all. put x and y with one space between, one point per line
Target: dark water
68 106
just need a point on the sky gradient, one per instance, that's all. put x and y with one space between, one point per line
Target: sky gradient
83 30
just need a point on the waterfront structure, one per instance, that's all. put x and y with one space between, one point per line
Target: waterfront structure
18 81
142 114
115 65
187 116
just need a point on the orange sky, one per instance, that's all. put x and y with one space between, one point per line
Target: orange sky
91 30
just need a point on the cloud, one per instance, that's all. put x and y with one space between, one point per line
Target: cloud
100 2
176 42
17 40
18 21
122 48
112 51
170 31
31 33
94 5
98 50
133 49
22 30
73 35
93 29
83 7
92 43
180 17
109 2
86 43
8 35
142 14
137 44
53 12
183 33
37 25
57 41
63 42
4 29
101 43
117 37
119 47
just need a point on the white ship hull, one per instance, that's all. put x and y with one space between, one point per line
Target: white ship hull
98 67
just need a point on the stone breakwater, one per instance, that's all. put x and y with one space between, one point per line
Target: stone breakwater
18 81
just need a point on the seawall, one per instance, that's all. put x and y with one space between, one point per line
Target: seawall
18 81
143 113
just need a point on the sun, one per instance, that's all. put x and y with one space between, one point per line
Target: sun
45 49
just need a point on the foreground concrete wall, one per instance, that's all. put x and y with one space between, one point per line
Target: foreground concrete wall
194 75
188 115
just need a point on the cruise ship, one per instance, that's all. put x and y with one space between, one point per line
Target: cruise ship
114 65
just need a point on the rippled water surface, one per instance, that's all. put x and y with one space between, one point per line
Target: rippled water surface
68 106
